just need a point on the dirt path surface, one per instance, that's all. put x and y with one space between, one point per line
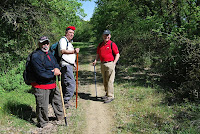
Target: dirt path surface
98 116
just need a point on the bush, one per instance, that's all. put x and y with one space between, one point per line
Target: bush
13 79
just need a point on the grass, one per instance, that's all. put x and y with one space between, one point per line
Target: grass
143 110
138 107
16 110
17 114
17 105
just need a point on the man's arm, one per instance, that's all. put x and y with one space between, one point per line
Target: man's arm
116 58
76 50
95 61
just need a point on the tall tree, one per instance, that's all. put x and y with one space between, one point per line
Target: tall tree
23 21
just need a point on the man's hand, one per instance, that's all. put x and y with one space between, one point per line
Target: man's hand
75 66
56 71
94 63
76 50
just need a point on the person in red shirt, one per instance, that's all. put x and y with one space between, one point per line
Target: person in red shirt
108 53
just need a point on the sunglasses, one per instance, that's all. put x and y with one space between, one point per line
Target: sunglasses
45 42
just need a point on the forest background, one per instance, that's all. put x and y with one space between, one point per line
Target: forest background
158 36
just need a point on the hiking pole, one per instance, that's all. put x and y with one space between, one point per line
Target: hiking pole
76 80
61 94
95 79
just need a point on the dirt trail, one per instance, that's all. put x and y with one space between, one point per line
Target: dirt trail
98 116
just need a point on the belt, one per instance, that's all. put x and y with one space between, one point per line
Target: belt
106 61
67 61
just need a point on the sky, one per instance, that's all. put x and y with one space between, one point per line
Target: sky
88 7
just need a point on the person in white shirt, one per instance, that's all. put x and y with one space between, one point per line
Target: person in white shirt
68 57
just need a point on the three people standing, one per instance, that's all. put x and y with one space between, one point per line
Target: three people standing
46 68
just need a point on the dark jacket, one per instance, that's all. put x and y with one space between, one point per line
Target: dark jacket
43 67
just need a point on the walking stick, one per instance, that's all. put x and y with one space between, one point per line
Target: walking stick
76 80
95 80
61 94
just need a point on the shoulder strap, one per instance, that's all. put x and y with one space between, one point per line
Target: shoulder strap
67 43
112 50
66 40
100 44
111 47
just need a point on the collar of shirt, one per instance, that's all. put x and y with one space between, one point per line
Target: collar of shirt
107 43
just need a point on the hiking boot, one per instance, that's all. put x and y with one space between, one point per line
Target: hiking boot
104 97
108 100
69 105
60 122
47 126
60 118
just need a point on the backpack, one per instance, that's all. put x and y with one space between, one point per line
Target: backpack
28 73
54 50
114 54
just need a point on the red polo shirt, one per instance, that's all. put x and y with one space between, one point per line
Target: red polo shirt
105 51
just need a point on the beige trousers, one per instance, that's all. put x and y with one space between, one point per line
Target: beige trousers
108 74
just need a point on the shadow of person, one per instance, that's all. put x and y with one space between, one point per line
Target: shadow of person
22 111
87 96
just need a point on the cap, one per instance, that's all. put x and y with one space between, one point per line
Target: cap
70 27
106 32
43 38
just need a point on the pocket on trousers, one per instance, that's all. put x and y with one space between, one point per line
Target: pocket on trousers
39 97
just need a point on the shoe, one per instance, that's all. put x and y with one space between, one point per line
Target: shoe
108 100
47 126
60 118
104 97
60 122
69 105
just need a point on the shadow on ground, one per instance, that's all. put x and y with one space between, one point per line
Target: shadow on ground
22 111
88 77
87 96
136 76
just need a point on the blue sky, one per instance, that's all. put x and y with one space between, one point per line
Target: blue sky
88 7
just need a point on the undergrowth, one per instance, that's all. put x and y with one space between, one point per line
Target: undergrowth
145 110
18 107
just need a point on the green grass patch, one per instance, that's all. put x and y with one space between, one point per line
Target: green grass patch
16 110
18 107
143 110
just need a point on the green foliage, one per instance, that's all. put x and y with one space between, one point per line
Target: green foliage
13 79
159 35
84 32
23 22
